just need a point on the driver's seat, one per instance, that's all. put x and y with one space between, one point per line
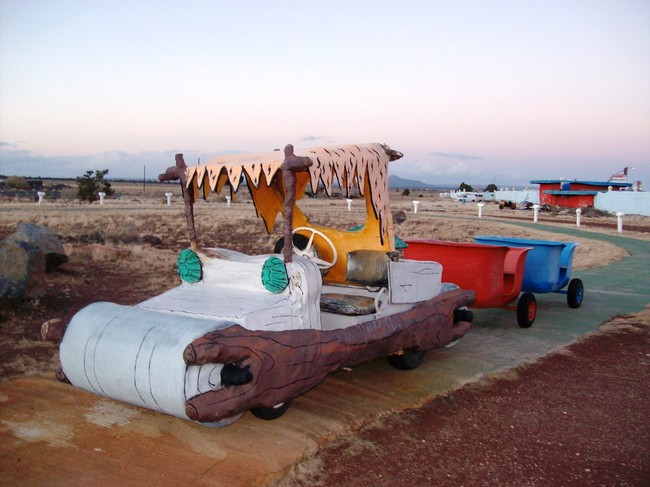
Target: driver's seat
366 267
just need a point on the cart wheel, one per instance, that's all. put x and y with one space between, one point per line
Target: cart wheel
409 359
273 412
575 293
526 310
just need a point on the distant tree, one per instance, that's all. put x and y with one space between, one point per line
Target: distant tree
17 182
406 192
90 185
491 188
465 187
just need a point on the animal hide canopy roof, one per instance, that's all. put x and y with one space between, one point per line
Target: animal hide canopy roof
350 164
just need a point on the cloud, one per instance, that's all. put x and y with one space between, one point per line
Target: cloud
433 172
456 156
444 168
120 164
27 163
312 138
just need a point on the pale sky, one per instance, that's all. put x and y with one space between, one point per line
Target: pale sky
477 91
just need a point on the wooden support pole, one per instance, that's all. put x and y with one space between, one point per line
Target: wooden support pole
175 173
291 165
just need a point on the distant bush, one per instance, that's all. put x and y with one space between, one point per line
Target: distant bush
90 185
406 192
17 182
491 188
465 187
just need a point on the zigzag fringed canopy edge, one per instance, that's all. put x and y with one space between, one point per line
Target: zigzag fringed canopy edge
349 164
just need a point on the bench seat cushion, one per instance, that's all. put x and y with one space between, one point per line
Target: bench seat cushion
346 304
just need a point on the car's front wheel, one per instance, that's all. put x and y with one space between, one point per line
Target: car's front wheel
273 412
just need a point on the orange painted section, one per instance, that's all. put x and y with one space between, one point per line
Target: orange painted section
367 238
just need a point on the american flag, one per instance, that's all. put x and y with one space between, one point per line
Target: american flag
619 177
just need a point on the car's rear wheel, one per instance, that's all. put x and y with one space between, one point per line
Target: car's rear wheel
408 359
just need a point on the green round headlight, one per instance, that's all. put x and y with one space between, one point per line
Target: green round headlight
189 266
274 275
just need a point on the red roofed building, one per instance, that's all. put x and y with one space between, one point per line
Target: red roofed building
574 194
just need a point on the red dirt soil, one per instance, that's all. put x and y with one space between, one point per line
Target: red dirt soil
69 288
578 417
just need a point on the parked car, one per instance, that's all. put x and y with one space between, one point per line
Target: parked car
467 197
252 332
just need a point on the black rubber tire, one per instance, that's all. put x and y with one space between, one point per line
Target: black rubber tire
526 310
575 293
272 413
463 314
299 241
409 359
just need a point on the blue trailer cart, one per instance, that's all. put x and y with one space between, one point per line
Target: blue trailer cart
548 266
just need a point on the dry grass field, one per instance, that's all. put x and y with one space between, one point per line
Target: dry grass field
125 250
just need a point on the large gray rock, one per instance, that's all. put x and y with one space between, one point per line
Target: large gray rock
25 256
22 270
43 239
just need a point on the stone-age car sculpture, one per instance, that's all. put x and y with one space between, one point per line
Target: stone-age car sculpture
253 332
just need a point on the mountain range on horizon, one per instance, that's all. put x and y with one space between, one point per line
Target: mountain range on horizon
396 182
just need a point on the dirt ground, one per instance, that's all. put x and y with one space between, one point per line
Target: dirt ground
574 418
578 417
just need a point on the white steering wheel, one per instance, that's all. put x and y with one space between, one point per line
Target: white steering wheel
309 250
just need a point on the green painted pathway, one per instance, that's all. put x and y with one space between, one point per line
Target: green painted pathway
496 342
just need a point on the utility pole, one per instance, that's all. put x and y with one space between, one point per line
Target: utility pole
144 180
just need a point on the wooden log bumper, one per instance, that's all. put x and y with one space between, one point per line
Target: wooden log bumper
53 330
286 364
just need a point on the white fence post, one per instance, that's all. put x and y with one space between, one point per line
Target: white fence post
578 213
349 202
101 197
619 221
169 198
41 195
535 213
480 209
415 206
